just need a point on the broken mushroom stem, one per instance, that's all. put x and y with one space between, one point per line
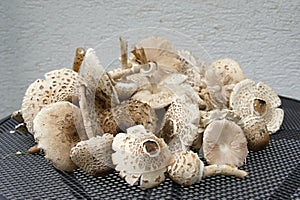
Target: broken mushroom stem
124 57
78 58
226 170
120 73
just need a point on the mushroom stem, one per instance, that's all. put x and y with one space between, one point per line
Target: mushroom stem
124 49
78 58
34 149
87 121
121 72
226 170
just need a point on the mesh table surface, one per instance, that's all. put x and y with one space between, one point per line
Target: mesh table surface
274 172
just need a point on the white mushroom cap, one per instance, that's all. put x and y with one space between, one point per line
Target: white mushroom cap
256 132
229 71
248 98
94 155
59 85
140 154
56 134
186 168
224 143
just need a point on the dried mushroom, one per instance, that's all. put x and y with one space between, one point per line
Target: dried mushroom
248 98
256 132
56 134
180 124
149 116
59 85
224 143
94 155
186 169
140 155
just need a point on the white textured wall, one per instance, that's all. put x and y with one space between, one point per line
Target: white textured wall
39 36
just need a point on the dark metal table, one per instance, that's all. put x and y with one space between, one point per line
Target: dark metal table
274 172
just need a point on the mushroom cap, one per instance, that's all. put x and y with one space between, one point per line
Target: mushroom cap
227 68
248 98
186 168
59 85
98 82
181 120
159 50
140 154
37 96
129 113
224 143
64 83
256 132
94 155
56 134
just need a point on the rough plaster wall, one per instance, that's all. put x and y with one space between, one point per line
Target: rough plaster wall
39 36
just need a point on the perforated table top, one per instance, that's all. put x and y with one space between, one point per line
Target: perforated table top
274 172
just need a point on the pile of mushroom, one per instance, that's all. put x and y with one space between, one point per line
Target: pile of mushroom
152 116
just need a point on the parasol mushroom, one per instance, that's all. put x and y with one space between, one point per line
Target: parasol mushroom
56 133
94 155
140 155
186 169
180 123
248 98
224 143
59 85
256 132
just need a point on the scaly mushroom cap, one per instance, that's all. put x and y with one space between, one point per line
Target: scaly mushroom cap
181 120
229 71
94 155
59 85
248 98
140 155
56 134
158 50
224 143
256 132
64 84
186 168
127 114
